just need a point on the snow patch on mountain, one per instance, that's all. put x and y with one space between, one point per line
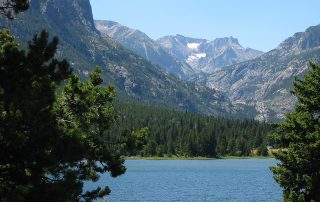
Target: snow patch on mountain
193 46
207 56
197 56
145 47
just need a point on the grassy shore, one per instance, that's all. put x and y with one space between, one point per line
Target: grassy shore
166 158
247 157
191 158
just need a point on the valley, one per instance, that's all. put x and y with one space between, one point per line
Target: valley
252 80
214 77
86 98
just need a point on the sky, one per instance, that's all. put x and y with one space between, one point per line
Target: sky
258 24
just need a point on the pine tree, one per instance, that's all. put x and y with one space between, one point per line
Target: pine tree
28 129
298 172
85 112
49 147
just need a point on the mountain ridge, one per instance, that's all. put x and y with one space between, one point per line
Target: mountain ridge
265 82
207 55
133 76
262 83
141 44
193 55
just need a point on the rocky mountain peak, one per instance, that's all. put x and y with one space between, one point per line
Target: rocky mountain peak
205 55
226 41
144 46
134 77
118 31
301 41
265 82
70 11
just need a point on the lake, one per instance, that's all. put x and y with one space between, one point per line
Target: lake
194 180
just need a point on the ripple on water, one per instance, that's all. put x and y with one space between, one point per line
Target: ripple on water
197 180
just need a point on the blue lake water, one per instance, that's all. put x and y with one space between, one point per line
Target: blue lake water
194 180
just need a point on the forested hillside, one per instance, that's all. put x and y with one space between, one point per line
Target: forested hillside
134 77
171 132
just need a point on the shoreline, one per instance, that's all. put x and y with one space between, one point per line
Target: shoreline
194 158
166 158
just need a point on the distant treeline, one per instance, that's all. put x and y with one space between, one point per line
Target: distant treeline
172 132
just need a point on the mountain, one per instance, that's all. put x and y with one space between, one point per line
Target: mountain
265 82
134 77
144 46
205 55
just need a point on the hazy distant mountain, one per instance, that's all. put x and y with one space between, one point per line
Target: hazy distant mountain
85 48
265 82
207 56
144 46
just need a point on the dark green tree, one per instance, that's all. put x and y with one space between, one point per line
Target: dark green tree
298 172
85 112
135 141
10 7
262 150
48 147
28 131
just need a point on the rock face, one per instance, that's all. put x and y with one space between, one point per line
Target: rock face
84 47
262 83
74 12
265 82
144 46
207 56
300 42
